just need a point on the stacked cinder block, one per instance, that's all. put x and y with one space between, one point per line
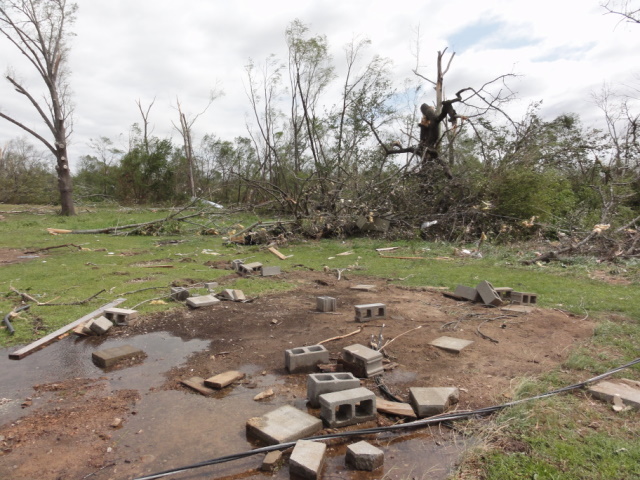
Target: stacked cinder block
121 316
520 298
362 361
347 407
321 383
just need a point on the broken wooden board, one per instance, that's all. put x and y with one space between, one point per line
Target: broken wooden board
628 390
197 384
38 344
395 408
277 253
451 344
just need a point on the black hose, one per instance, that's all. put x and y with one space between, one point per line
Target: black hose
6 318
368 431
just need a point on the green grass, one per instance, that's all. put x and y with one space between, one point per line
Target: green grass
565 437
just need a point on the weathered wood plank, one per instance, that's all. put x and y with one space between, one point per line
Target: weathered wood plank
44 341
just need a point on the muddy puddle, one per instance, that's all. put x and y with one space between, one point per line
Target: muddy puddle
167 429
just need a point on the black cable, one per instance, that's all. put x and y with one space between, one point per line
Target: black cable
368 431
8 316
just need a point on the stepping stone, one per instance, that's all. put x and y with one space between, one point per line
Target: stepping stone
282 425
223 379
197 384
364 456
111 356
432 400
307 459
270 271
202 301
451 344
627 390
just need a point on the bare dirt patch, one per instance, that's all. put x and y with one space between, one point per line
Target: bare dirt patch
13 255
69 432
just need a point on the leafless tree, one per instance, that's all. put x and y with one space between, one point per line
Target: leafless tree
39 30
628 9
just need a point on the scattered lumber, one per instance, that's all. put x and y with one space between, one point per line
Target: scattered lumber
44 341
277 253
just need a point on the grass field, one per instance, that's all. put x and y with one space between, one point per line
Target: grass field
563 437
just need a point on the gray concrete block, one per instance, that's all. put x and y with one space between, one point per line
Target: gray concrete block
111 356
627 390
364 456
305 359
488 294
179 294
270 271
370 311
100 325
202 301
521 298
432 400
362 361
121 316
348 407
211 286
364 288
233 295
250 267
284 424
326 304
468 293
307 459
271 461
321 383
236 264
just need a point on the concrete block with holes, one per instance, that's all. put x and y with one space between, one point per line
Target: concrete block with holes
326 304
321 383
250 267
370 311
521 298
488 294
362 361
305 359
121 316
348 407
179 294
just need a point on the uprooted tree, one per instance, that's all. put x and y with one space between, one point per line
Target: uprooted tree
39 30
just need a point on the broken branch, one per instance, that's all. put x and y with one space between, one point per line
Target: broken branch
341 336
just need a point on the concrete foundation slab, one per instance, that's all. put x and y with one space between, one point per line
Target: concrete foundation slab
284 424
432 400
627 390
321 383
364 456
451 344
348 407
223 379
202 301
111 356
307 459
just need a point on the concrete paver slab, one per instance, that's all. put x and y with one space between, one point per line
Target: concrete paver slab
285 424
451 344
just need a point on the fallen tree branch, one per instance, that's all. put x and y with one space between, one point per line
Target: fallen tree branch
26 296
51 248
341 336
395 338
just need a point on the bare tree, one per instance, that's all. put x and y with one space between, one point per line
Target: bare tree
39 30
627 9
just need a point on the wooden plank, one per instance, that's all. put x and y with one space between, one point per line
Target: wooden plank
394 408
38 344
277 253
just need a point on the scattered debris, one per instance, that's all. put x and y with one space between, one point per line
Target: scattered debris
355 332
364 288
271 461
364 456
100 325
432 400
307 459
395 408
232 295
197 384
277 253
224 379
285 424
262 395
344 254
202 301
386 249
627 390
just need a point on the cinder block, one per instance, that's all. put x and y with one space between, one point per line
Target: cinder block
307 459
371 311
305 359
520 298
179 294
468 293
321 383
233 295
121 316
362 361
348 407
326 304
236 264
285 424
270 271
202 301
100 325
210 286
488 294
504 292
111 356
250 267
432 400
364 456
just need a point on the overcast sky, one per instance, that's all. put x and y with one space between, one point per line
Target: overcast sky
564 51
